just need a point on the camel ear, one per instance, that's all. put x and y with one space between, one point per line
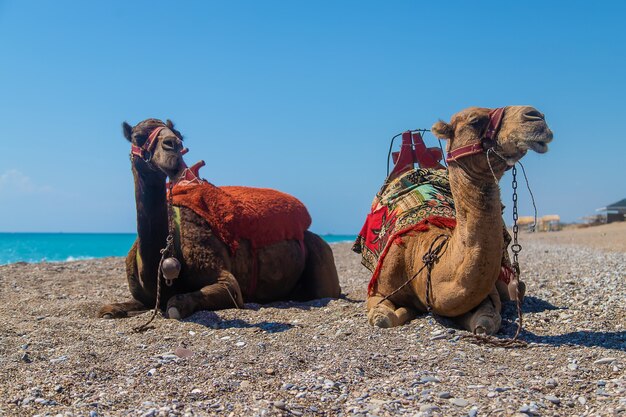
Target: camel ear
170 125
128 131
442 130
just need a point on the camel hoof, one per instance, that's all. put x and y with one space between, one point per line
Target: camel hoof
173 313
484 326
107 316
480 330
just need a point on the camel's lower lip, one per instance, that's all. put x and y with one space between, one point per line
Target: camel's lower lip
539 147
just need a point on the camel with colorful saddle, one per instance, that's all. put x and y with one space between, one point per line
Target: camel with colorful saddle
202 247
435 239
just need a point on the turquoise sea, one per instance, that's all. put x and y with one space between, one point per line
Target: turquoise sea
64 247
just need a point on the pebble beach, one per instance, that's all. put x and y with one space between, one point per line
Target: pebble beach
319 358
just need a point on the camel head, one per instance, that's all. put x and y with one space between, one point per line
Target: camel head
156 147
510 132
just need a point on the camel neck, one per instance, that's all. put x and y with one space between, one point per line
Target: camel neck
152 222
477 240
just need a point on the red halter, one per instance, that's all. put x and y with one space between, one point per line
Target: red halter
486 142
148 146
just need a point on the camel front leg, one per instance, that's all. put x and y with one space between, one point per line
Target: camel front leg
385 314
225 293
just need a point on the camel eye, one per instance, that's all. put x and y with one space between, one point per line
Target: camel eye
474 121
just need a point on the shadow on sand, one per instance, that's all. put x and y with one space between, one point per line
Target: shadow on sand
606 340
212 320
534 305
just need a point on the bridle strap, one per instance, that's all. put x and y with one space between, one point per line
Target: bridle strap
148 146
464 151
495 120
486 142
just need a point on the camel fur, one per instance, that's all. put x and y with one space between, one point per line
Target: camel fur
463 285
213 274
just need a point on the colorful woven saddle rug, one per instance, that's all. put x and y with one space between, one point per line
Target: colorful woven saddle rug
414 201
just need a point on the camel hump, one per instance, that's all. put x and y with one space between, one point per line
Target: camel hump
269 216
261 215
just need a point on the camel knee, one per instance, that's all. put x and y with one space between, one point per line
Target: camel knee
383 313
179 307
320 273
507 292
381 316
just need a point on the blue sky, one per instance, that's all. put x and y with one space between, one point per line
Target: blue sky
298 96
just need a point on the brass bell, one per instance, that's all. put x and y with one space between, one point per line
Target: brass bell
170 268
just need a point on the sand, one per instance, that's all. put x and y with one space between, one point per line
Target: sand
319 358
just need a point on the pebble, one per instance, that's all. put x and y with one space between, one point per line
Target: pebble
444 395
182 352
459 402
429 408
240 344
582 400
270 371
473 412
429 378
152 371
604 360
553 399
551 383
280 405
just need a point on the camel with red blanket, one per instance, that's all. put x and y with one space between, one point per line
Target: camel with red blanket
229 245
451 220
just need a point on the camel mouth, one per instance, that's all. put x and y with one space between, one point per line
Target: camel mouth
539 146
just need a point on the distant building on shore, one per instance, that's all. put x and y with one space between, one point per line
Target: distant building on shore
550 223
615 212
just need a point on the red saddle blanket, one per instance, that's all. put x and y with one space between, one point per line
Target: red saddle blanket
261 215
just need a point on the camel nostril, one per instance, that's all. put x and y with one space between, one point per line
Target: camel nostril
534 115
169 144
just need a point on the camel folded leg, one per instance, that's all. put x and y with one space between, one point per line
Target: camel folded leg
484 319
225 293
319 278
121 310
385 314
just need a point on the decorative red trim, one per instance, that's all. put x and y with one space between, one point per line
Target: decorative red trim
423 226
